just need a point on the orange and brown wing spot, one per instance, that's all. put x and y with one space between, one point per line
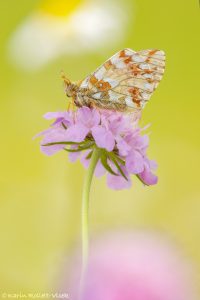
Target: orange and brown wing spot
108 64
134 91
93 80
152 52
103 85
147 71
135 69
128 60
122 54
137 102
135 95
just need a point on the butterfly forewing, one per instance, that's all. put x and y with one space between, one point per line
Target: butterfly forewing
127 79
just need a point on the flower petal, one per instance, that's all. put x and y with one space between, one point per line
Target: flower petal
103 138
153 164
73 156
88 117
76 133
100 170
58 115
65 117
42 133
123 147
134 162
84 160
50 150
148 177
140 142
55 115
51 136
118 182
95 117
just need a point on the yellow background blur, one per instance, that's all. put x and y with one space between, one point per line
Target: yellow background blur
40 196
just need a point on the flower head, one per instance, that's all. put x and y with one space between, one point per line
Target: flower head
117 136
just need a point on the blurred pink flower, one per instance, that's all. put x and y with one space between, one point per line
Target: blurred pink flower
118 135
136 266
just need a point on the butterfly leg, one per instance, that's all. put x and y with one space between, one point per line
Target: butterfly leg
71 105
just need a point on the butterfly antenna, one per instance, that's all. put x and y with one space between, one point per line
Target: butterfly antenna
64 78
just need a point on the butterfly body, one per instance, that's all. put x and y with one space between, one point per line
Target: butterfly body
124 82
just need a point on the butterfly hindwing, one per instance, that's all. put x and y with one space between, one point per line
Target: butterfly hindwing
128 78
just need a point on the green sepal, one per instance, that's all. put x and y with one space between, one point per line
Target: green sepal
89 155
81 144
72 150
114 160
141 180
106 165
85 146
61 143
112 154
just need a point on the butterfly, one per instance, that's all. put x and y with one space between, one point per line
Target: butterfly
125 82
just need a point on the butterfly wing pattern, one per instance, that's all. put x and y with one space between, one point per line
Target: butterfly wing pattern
125 82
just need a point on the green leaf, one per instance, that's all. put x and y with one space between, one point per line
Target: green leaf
106 165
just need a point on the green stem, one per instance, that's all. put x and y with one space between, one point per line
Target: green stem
85 215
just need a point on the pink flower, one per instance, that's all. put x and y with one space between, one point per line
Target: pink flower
118 136
135 266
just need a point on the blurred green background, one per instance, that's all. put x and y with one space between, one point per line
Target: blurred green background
40 196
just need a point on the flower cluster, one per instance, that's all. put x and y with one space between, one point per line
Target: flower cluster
117 136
